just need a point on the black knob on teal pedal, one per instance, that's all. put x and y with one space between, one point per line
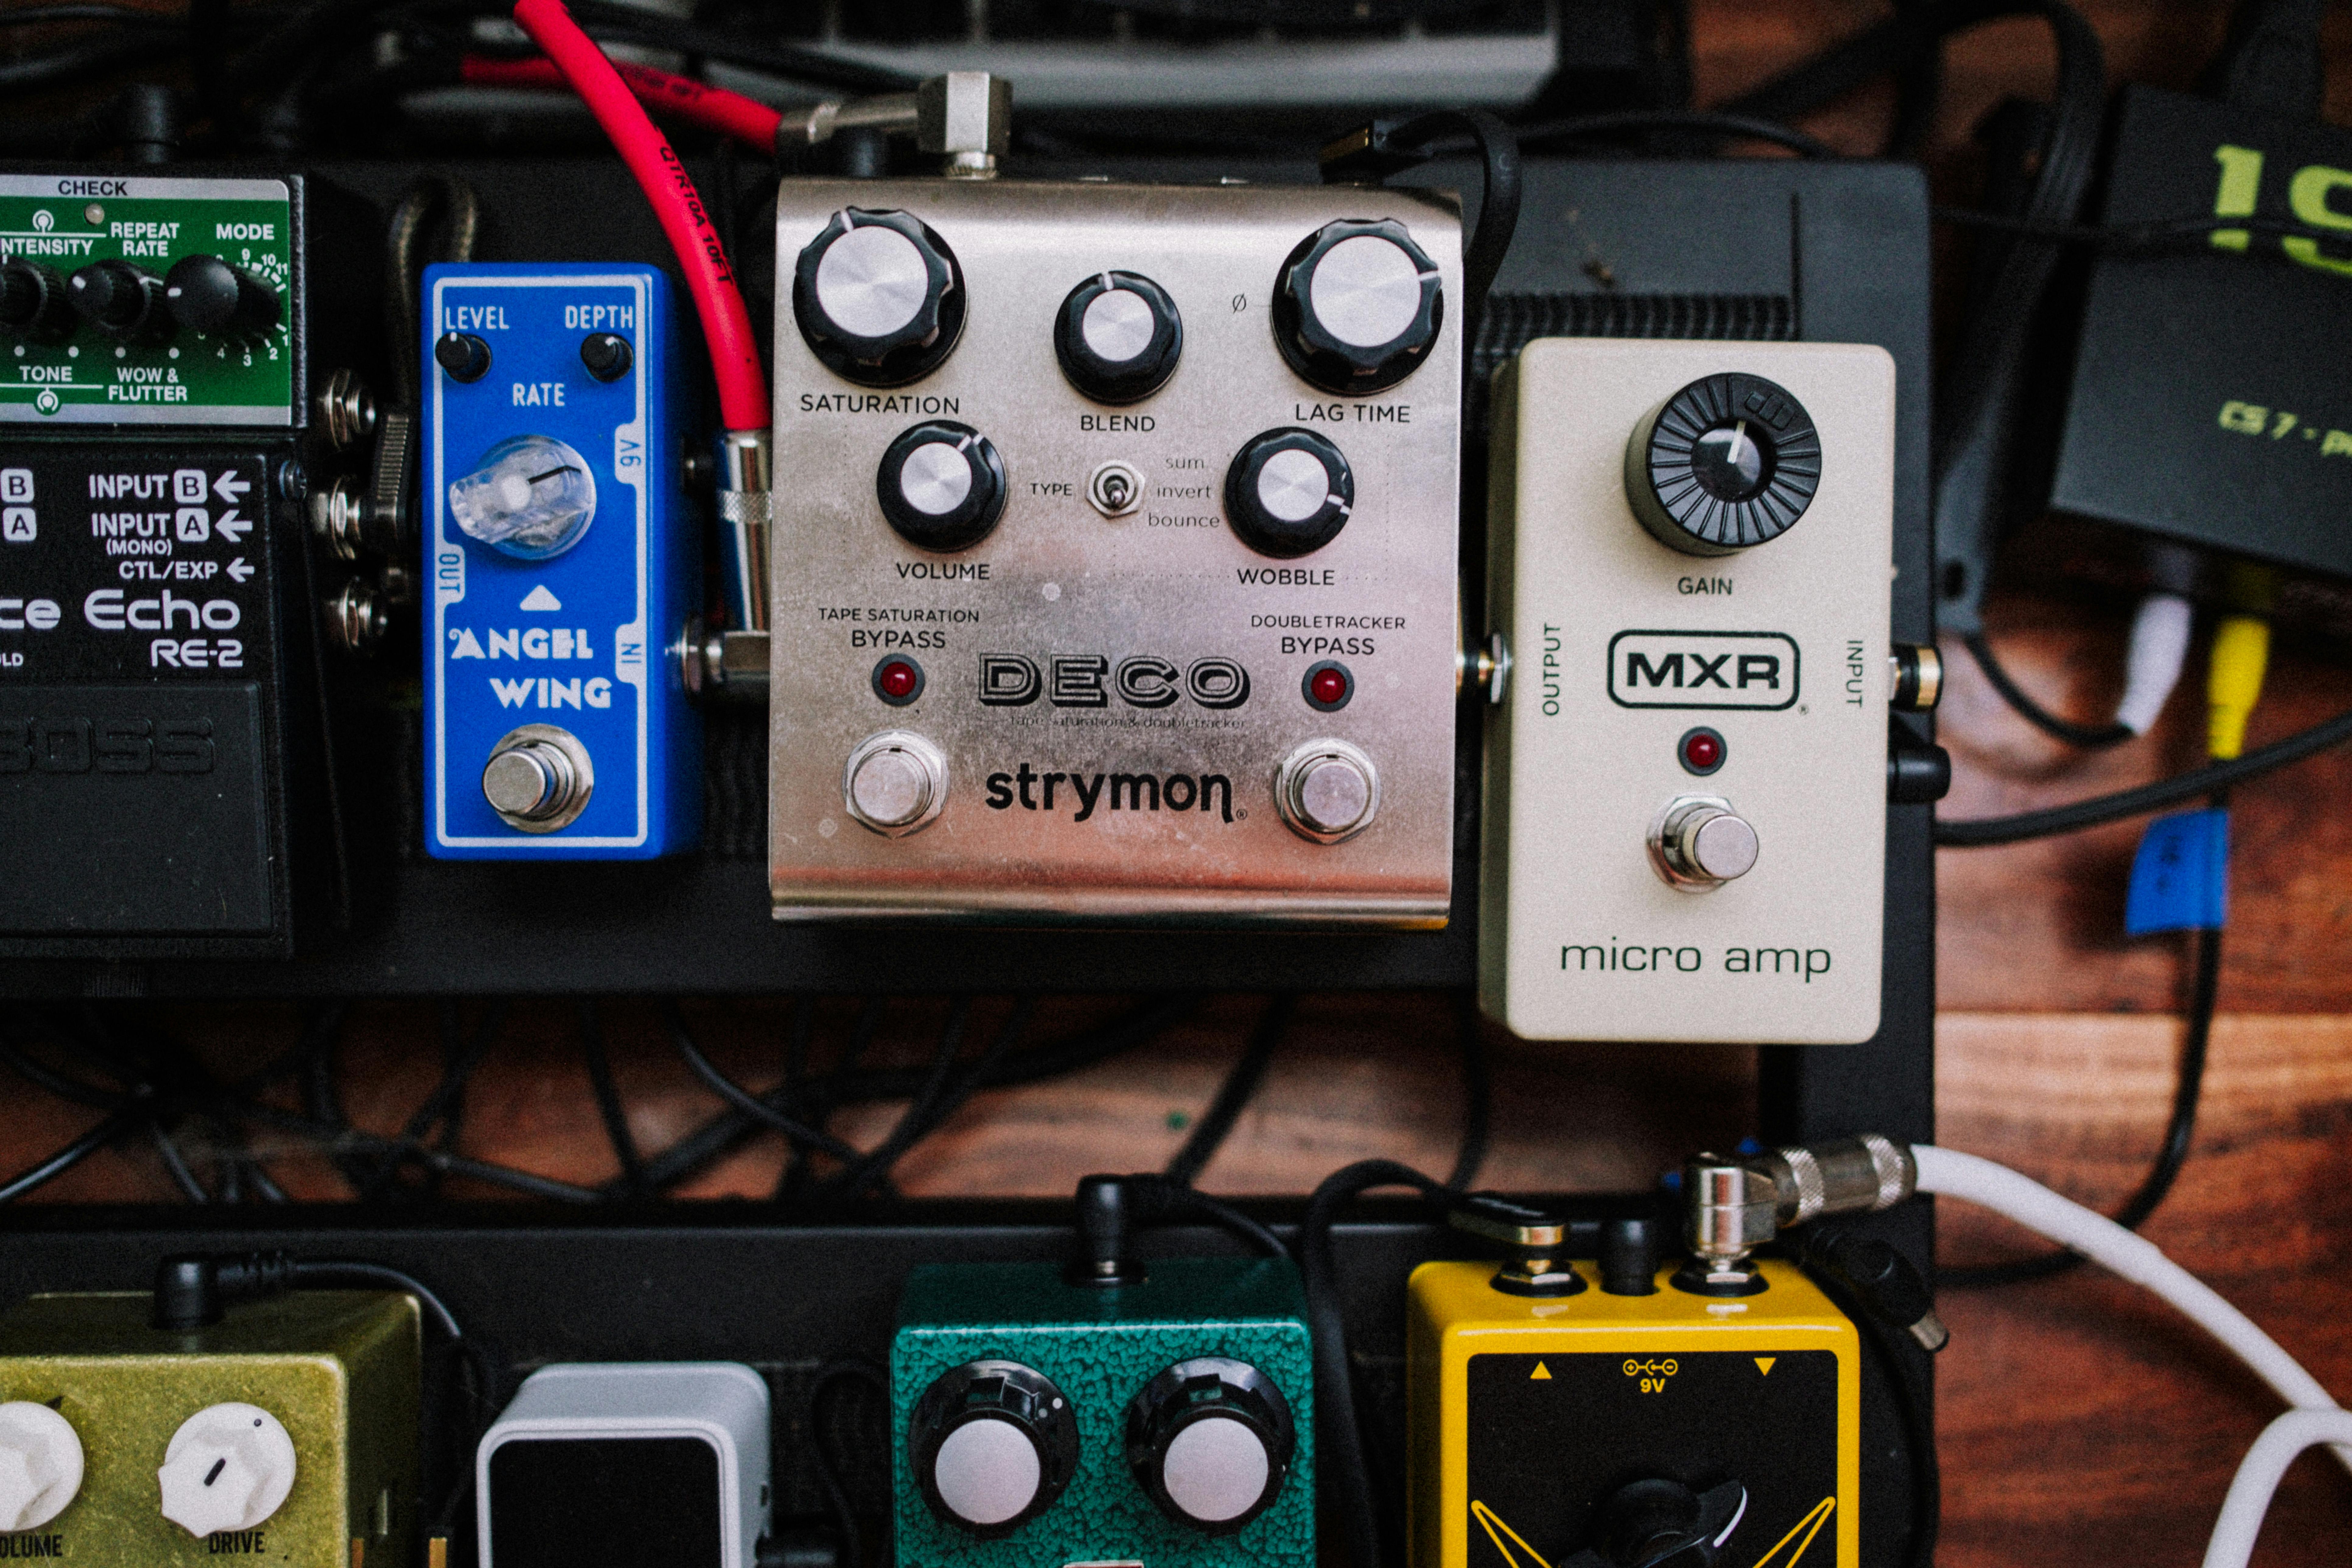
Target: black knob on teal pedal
1210 1440
992 1444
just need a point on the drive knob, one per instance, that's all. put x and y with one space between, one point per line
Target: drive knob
33 302
1356 305
206 294
228 1466
991 1443
895 782
1209 1441
1288 493
119 298
1729 462
539 778
941 486
1118 337
40 1465
879 297
1699 843
1327 790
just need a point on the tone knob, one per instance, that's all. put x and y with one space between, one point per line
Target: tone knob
206 294
992 1444
1288 493
879 297
896 782
1729 462
1327 790
1118 337
40 1465
539 778
33 302
228 1466
1356 305
121 300
1210 1440
941 486
1698 843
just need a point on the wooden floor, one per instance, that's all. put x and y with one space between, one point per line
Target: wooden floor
2080 1422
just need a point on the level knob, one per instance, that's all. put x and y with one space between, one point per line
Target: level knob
1118 337
120 298
941 486
1288 493
1210 1440
1729 462
33 302
991 1443
1356 305
879 297
206 294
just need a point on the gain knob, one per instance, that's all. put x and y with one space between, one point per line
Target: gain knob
1698 843
206 294
1288 493
34 304
941 486
1209 1441
879 297
992 1444
1118 337
120 298
539 778
1729 462
1356 305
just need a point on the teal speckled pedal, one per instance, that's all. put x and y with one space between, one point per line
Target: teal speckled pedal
1041 1424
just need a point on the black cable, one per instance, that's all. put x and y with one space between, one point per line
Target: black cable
615 1115
332 1273
2153 234
439 1107
2089 737
1478 1094
405 273
837 1499
941 1099
85 57
812 66
73 1154
1904 1363
758 1109
1721 124
798 1034
1234 1095
347 1142
176 1163
1498 197
1218 1212
125 15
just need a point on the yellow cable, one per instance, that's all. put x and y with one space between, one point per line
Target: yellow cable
2233 682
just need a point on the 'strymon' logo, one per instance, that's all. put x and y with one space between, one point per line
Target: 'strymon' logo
1081 794
1703 669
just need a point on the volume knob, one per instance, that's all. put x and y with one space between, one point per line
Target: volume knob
941 486
1356 305
879 297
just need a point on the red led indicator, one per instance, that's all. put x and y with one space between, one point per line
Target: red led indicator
1702 750
896 679
1329 685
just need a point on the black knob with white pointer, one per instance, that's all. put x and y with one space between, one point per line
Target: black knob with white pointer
1729 462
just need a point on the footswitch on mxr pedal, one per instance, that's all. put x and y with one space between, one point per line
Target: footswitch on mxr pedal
563 560
1116 576
1690 572
1593 1430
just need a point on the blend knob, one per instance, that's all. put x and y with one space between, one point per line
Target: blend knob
991 1443
1729 462
895 782
539 778
1356 305
228 1466
120 298
207 294
1118 337
1327 790
1659 1523
1209 1441
40 1465
33 301
1699 843
879 297
1288 493
941 486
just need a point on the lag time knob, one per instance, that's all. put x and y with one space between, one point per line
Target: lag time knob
1356 305
992 1444
879 297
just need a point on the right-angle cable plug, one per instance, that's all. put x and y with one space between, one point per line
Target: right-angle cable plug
1879 1275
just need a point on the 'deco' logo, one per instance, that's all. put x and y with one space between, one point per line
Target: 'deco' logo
1703 669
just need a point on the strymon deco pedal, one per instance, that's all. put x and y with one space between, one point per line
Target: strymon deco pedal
1116 577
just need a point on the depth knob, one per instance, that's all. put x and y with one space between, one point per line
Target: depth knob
207 294
33 302
941 486
992 1444
1209 1441
1356 305
119 298
1699 843
1118 337
1729 462
879 297
1288 493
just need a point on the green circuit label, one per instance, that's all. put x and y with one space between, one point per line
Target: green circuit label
72 371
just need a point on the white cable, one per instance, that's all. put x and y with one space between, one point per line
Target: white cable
2137 1259
2233 1545
2159 648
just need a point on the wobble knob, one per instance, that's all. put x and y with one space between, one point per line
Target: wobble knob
33 302
1288 493
206 294
879 297
228 1466
941 486
119 298
1119 336
1209 1441
1356 305
1729 462
991 1443
40 1465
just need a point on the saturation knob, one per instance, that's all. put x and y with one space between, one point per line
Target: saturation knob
206 294
539 778
1118 337
33 305
121 300
1729 462
1288 493
228 1466
1699 843
1327 790
40 1465
879 297
896 782
1660 1523
941 486
992 1444
1356 305
1210 1440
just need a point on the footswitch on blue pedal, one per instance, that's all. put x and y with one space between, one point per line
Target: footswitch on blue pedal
562 562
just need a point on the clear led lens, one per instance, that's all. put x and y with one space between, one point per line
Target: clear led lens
532 496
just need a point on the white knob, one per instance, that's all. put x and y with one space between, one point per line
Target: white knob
229 1466
987 1471
1366 291
1215 1470
40 1465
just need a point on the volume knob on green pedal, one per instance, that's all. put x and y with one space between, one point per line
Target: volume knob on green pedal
1210 1440
1729 462
992 1444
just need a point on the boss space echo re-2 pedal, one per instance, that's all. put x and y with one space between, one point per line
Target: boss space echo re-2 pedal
1115 556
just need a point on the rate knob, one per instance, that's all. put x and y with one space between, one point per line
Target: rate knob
1356 305
1210 1440
991 1443
1729 462
879 297
207 294
1288 493
941 486
120 298
33 305
1118 337
228 1466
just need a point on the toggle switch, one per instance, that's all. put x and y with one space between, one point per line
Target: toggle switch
229 1466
